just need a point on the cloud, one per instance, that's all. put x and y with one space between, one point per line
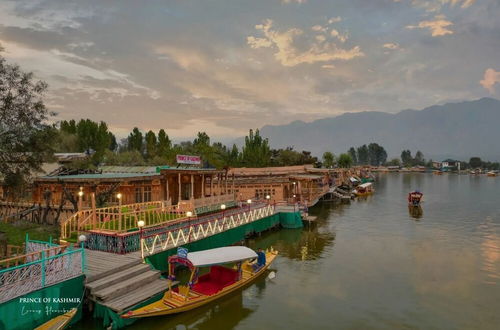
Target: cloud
293 1
491 77
334 20
289 55
341 37
391 45
435 6
438 27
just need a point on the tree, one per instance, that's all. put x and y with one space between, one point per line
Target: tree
394 162
363 155
329 159
354 156
475 162
151 147
256 151
164 143
134 140
344 160
406 158
376 154
419 158
26 139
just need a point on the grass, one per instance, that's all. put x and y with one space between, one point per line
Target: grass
16 232
152 219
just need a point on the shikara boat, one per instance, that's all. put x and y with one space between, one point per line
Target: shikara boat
59 322
218 282
492 173
415 198
364 189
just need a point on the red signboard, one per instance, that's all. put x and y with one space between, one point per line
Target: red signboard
186 159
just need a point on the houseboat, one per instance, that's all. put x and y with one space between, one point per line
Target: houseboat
245 265
364 189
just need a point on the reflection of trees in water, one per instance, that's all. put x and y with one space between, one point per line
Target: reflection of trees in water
307 243
225 313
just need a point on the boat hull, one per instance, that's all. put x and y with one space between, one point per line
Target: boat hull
60 322
162 307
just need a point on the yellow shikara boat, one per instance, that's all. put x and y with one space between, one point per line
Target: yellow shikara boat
218 282
364 189
60 322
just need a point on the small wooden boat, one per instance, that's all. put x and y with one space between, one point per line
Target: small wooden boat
415 198
218 282
59 322
364 189
492 173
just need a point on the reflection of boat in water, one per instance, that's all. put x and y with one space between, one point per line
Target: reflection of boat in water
218 282
59 322
364 189
438 172
415 211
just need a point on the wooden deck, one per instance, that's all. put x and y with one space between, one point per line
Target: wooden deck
120 281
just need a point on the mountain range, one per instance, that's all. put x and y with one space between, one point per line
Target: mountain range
453 130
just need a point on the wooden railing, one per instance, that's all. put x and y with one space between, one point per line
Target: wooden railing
119 218
123 218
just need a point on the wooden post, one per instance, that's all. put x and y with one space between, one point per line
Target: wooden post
191 195
179 179
119 214
203 186
232 188
225 192
94 218
167 196
211 185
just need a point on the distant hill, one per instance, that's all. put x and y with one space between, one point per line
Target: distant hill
453 130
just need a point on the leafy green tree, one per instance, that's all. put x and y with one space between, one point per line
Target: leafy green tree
233 156
151 145
376 154
475 162
363 155
353 154
344 161
68 126
135 140
406 158
256 151
113 144
26 139
328 159
164 143
419 158
394 162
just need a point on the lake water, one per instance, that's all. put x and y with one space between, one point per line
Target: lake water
370 265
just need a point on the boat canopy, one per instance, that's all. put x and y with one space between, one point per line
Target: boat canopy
353 179
221 255
365 185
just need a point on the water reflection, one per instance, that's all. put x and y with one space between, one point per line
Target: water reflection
416 212
225 313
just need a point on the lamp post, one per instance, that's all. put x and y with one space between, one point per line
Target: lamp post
189 214
119 197
294 202
249 202
141 224
80 199
223 208
82 238
268 199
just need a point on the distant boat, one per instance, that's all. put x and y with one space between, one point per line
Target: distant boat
364 189
492 173
415 198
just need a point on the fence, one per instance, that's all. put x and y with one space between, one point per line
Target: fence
123 218
41 268
170 238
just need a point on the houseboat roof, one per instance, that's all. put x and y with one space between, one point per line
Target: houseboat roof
97 176
282 170
221 255
306 176
365 185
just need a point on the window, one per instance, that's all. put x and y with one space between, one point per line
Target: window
138 194
147 194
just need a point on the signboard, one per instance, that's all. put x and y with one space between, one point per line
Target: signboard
186 159
182 252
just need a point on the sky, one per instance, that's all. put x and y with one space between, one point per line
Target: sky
227 66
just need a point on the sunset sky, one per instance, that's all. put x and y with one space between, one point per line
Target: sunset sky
227 66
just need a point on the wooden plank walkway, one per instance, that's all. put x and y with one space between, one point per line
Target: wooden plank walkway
100 264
